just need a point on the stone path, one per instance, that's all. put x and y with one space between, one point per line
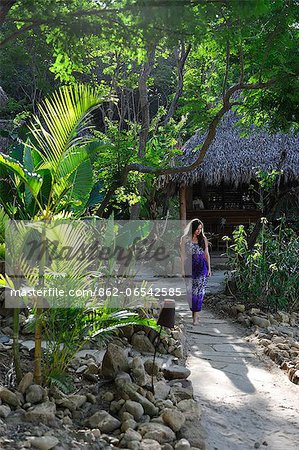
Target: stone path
247 402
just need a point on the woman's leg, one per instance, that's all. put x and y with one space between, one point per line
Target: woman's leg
195 317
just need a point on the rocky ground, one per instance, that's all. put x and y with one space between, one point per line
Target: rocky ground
276 334
112 406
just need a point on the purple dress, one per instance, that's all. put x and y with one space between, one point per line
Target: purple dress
196 273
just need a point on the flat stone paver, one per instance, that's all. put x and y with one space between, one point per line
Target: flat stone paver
247 402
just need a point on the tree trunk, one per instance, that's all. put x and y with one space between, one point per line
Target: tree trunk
15 345
145 121
38 349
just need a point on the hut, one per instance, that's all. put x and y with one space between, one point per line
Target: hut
218 191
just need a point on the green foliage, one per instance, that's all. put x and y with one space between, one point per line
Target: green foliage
267 275
266 179
52 170
68 330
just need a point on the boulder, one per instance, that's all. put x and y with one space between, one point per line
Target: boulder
128 424
142 343
9 397
130 436
240 307
176 372
151 367
182 444
42 413
72 402
182 390
44 442
260 322
114 361
148 406
173 418
103 421
25 382
4 411
34 394
190 408
134 408
121 379
150 444
162 390
157 431
138 371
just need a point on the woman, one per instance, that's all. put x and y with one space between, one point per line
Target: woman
196 265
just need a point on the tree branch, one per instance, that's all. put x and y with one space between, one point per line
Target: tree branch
227 105
181 60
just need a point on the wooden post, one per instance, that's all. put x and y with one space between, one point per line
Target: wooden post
183 206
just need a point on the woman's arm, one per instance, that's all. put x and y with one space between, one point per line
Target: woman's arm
207 256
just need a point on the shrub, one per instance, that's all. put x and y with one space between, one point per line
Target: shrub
268 274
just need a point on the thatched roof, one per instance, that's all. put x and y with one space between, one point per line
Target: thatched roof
235 159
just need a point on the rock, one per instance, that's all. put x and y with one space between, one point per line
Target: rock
176 372
104 421
129 436
9 397
92 369
151 368
131 391
91 398
166 447
134 408
138 371
254 311
25 382
240 307
295 377
130 423
178 352
81 369
44 442
125 415
35 394
190 408
4 411
134 445
182 444
161 390
8 331
122 379
42 413
108 396
4 339
114 361
156 431
260 322
282 317
116 406
150 444
67 421
72 402
128 331
142 343
182 390
173 418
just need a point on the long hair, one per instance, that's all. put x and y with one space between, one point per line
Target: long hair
190 229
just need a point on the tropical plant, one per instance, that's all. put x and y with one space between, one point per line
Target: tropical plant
267 274
52 171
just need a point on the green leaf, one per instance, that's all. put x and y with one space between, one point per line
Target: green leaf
31 179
